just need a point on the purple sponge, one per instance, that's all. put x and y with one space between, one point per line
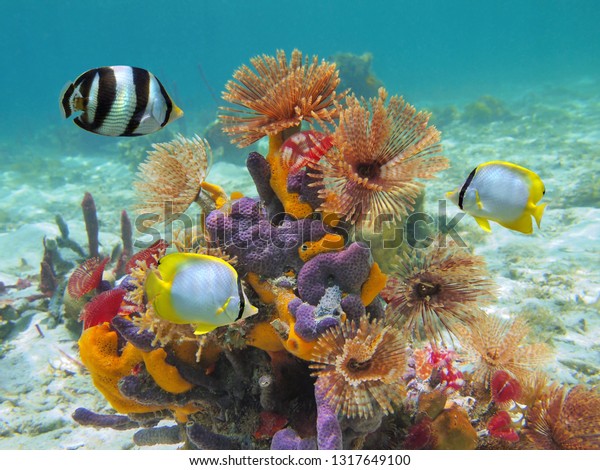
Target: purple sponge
347 269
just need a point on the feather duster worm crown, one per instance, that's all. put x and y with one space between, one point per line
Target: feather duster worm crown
277 95
360 367
172 176
496 344
379 150
565 419
436 289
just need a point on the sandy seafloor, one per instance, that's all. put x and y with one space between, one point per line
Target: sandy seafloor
551 278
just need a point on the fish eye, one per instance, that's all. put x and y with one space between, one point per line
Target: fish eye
304 247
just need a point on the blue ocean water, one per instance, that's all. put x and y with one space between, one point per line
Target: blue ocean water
537 59
427 51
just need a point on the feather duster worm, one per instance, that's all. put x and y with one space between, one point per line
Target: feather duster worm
278 95
379 150
102 308
86 277
495 344
434 290
565 419
360 367
170 179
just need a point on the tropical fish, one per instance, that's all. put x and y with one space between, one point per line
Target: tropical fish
119 101
197 289
504 193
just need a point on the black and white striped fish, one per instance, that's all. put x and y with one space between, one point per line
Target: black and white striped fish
119 101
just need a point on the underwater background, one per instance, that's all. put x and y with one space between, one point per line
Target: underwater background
512 80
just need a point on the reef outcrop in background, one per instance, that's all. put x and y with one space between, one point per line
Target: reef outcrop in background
340 353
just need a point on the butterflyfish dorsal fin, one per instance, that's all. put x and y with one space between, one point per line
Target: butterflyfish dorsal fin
483 223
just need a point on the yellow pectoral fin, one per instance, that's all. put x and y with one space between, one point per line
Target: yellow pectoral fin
483 223
523 224
224 307
478 200
538 212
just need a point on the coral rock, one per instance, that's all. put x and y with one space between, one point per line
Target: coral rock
452 430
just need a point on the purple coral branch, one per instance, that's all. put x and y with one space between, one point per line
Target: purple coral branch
260 171
129 331
347 269
91 223
300 183
205 439
86 417
288 439
261 247
329 432
309 326
159 435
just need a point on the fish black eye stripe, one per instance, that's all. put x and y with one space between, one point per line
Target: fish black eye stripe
242 300
463 190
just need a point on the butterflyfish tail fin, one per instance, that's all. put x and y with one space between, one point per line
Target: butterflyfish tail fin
483 223
538 212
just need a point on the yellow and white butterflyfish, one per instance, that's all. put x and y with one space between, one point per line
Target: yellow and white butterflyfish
504 193
202 290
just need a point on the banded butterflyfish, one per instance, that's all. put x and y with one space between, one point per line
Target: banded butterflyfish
119 101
